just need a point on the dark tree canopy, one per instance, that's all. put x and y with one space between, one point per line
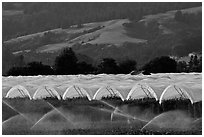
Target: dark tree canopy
127 66
66 62
31 69
162 64
108 66
181 66
84 68
17 71
195 64
37 68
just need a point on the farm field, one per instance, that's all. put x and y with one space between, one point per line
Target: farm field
106 116
103 104
109 68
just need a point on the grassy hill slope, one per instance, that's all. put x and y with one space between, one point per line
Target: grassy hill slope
141 40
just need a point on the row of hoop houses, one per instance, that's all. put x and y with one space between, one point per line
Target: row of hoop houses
140 90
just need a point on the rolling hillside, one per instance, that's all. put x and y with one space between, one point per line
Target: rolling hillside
141 40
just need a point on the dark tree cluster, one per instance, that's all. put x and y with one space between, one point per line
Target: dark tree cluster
162 64
67 64
182 66
31 69
194 65
109 66
166 64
